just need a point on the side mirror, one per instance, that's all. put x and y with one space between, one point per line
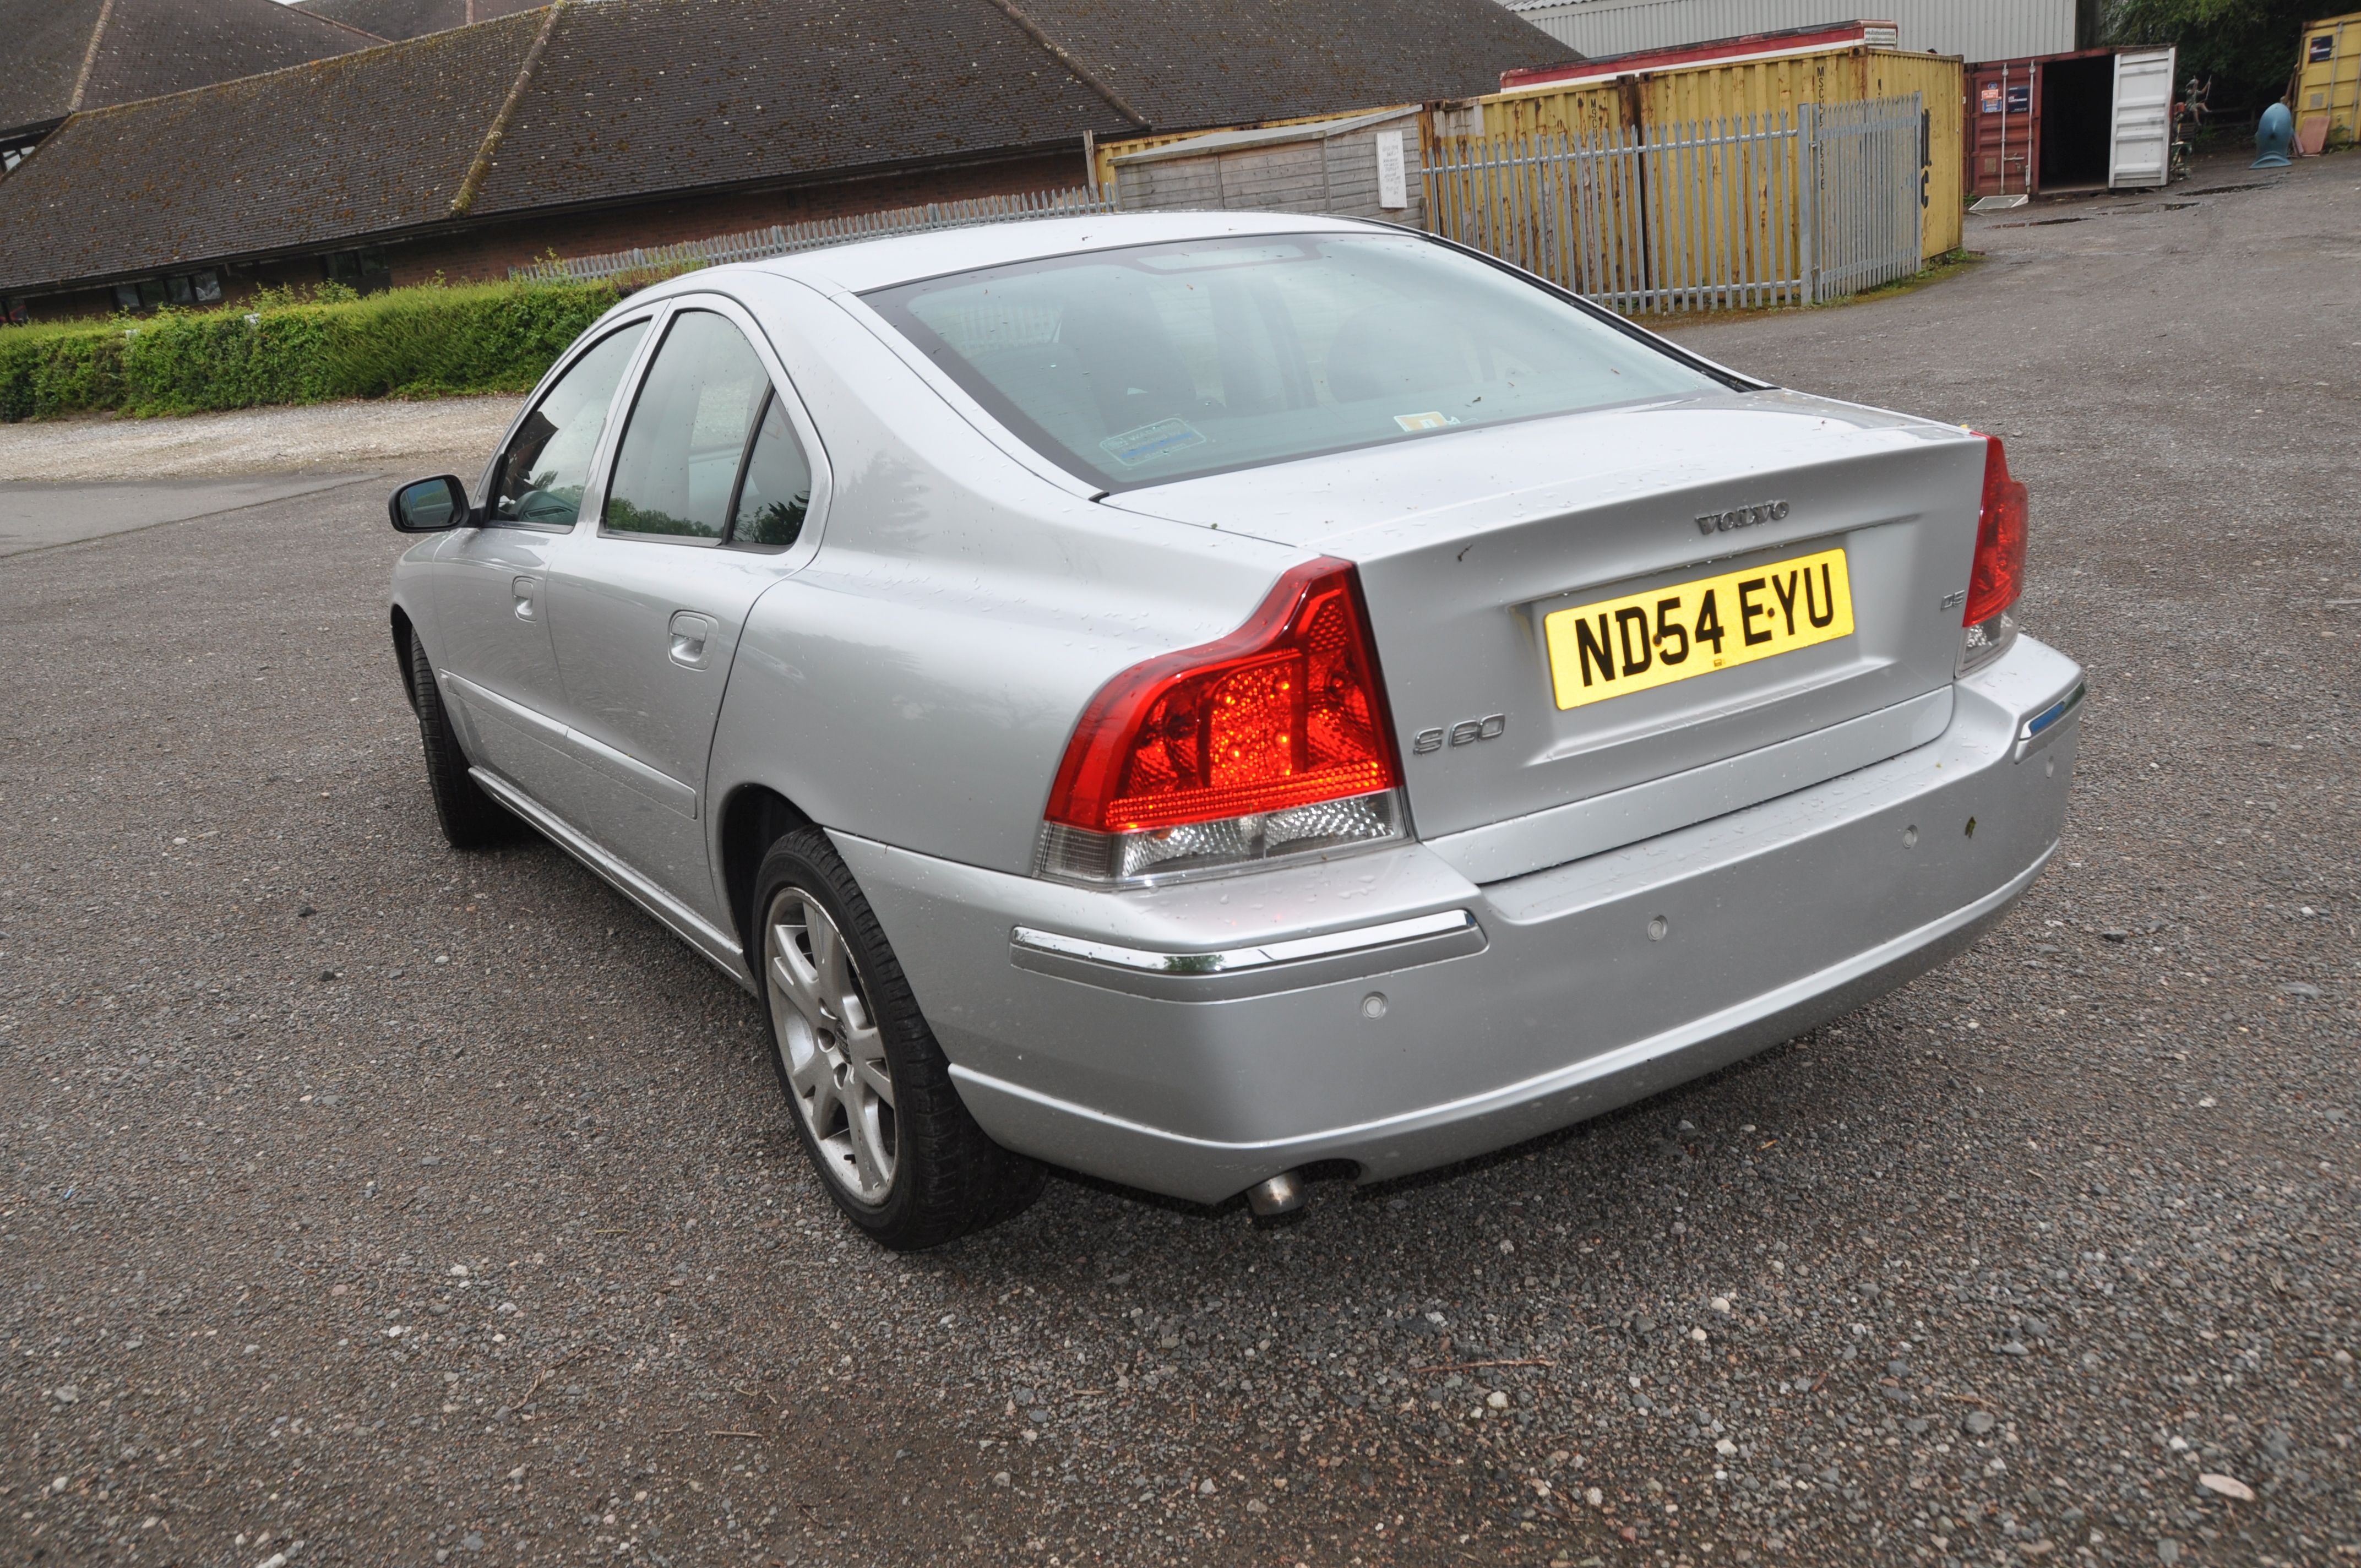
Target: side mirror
429 506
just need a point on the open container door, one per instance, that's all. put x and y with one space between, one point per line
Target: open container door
2139 154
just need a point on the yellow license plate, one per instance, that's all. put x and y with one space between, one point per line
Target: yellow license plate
1630 644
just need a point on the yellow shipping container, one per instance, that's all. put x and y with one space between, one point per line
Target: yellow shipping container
1689 95
2328 77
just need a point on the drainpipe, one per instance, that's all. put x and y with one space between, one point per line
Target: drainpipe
1635 115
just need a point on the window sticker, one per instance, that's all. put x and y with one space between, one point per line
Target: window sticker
1134 447
1416 422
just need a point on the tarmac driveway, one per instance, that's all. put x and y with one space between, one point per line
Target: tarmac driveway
366 1202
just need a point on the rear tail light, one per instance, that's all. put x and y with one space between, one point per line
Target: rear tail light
1272 741
1998 575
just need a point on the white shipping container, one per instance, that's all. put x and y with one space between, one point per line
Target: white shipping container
1973 30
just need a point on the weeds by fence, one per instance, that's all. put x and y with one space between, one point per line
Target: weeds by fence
432 341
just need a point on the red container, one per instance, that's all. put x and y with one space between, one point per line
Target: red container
2039 124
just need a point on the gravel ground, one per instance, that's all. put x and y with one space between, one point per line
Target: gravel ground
418 1208
319 437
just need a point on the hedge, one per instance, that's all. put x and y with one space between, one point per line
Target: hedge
429 341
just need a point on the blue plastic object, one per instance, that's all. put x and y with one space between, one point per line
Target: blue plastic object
2273 137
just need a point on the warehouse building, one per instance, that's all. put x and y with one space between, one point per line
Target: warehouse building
599 126
1972 29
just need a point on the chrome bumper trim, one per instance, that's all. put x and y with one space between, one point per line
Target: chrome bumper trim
1250 971
2038 730
1332 944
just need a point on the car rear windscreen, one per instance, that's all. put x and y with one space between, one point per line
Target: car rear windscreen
1158 362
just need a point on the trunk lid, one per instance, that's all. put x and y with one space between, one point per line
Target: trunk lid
1467 544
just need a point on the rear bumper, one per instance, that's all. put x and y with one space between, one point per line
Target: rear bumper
1195 1039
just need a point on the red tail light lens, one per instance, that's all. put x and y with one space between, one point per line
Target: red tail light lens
1999 574
1285 711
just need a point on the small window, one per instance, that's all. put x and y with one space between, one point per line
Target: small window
208 287
364 271
685 443
2323 47
776 491
182 290
127 296
542 474
152 292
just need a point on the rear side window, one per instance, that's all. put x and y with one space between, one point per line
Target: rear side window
1153 363
685 443
776 491
547 463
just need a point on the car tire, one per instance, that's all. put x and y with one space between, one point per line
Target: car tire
868 1088
470 818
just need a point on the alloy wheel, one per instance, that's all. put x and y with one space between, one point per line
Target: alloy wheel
829 1045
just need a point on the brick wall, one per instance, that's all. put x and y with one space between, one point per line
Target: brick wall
490 251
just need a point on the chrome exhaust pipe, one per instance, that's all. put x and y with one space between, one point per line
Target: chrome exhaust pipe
1281 1194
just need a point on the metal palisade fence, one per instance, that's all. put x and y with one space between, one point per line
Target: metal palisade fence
1718 214
783 239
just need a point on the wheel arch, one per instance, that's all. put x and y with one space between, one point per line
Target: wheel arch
404 634
754 817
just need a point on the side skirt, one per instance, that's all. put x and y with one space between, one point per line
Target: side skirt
683 922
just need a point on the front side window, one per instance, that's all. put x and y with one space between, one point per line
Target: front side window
710 456
543 473
1153 363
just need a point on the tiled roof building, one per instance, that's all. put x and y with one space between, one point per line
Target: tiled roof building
603 123
63 56
412 18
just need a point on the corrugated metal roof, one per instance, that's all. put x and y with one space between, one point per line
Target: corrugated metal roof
1975 30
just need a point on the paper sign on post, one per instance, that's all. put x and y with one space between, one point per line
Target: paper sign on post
1393 187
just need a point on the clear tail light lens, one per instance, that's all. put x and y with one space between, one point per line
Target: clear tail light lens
1272 741
1998 575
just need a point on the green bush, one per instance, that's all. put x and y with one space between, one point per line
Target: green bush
429 341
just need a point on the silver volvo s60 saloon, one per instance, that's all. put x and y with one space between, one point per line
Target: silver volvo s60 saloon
1189 697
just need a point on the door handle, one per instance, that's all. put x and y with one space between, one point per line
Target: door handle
523 590
691 635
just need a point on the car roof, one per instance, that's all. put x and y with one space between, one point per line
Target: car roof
859 265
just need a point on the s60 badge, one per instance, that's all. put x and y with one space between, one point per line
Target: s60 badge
1466 732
